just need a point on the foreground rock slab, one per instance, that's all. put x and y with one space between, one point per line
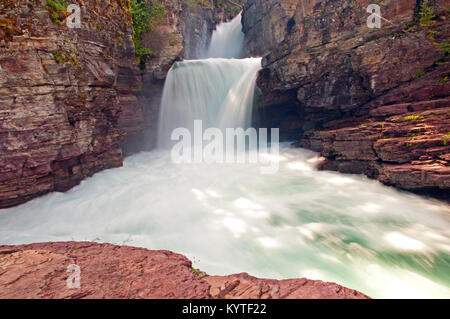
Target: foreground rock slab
39 271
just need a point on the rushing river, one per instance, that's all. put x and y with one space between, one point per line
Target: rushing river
230 218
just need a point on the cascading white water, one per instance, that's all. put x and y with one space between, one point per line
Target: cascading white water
218 90
227 40
297 223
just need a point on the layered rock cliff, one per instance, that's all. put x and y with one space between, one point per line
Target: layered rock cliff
74 101
373 101
67 96
39 271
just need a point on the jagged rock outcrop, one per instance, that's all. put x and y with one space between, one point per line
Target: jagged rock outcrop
265 24
373 101
68 97
39 271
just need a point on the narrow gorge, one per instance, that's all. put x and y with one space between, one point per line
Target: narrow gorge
89 117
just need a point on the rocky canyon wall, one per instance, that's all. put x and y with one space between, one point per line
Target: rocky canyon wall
67 96
373 101
74 101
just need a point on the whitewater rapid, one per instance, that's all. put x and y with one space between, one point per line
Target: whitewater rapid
230 219
217 89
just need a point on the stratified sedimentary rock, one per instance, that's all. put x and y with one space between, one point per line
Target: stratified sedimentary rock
68 96
73 101
39 271
373 101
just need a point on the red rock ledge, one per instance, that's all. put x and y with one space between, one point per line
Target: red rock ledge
38 271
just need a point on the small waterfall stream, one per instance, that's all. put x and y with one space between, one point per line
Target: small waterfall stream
297 223
227 40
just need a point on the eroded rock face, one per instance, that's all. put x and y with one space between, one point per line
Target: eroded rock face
265 23
344 90
73 102
39 271
67 96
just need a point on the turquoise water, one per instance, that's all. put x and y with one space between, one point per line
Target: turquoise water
231 218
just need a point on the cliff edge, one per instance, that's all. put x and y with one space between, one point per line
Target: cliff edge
39 271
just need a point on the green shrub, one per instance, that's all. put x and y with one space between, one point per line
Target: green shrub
444 47
412 118
57 10
145 19
420 74
62 57
445 138
196 271
426 15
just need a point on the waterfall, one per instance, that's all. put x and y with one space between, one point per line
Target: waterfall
297 223
227 40
218 90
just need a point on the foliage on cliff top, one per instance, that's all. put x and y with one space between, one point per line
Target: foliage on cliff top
427 20
57 10
426 14
145 19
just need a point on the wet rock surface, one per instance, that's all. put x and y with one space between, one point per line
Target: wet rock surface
39 271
